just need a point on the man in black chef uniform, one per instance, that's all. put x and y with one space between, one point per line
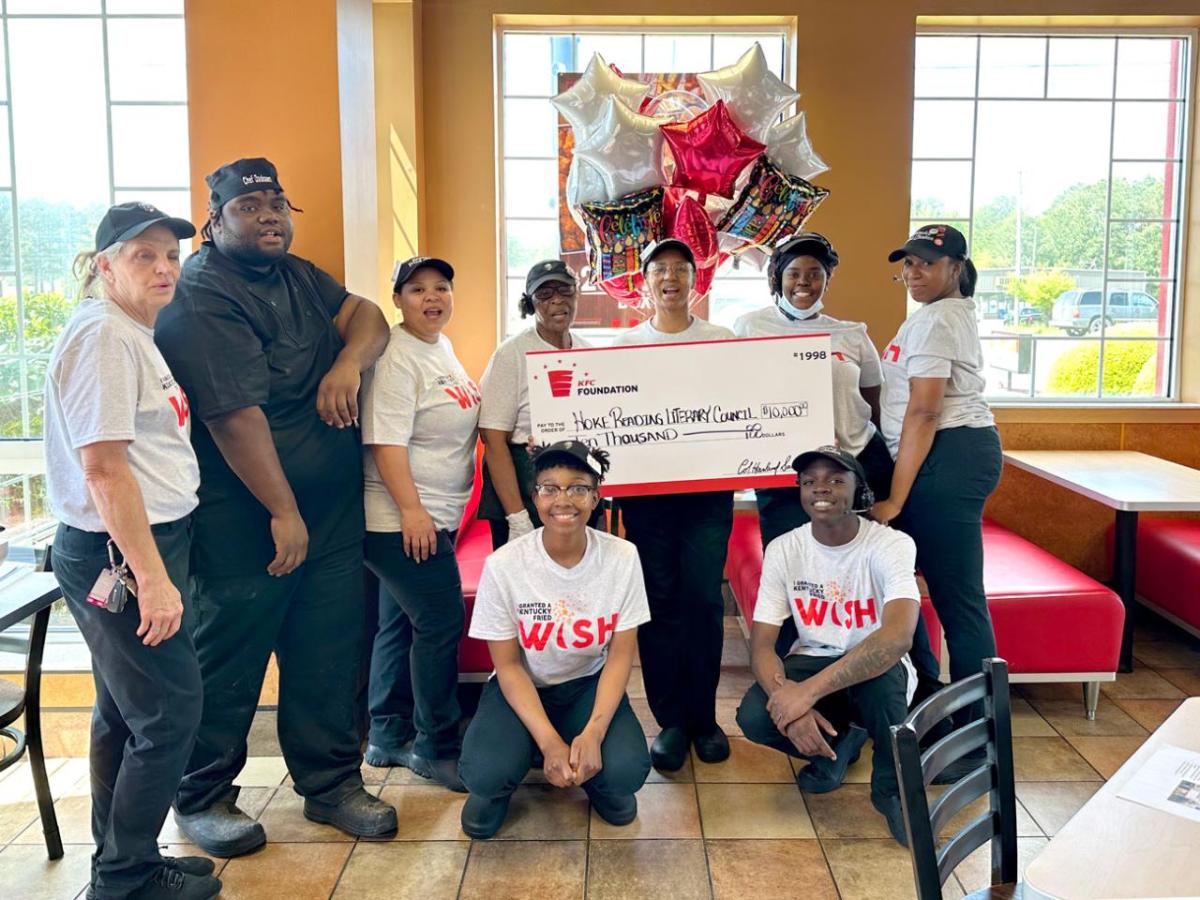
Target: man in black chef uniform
269 349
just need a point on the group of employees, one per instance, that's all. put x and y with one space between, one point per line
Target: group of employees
231 440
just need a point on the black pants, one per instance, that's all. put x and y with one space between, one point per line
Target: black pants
312 619
875 705
682 540
498 749
148 702
414 662
944 516
779 509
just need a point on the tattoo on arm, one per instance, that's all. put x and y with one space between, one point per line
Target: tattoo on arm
868 660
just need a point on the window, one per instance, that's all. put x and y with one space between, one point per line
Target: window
531 63
93 111
1061 157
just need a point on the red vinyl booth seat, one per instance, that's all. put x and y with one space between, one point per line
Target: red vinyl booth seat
1168 560
1048 617
474 545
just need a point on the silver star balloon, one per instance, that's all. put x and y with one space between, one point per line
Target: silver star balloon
625 148
789 148
583 103
752 92
584 185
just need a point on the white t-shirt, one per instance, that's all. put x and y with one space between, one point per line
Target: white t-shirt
698 330
505 389
418 396
855 366
106 381
939 340
564 619
836 595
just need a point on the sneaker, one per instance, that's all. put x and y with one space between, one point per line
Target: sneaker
712 747
222 830
191 865
889 808
168 883
669 750
443 771
822 774
482 818
619 810
359 814
188 865
385 759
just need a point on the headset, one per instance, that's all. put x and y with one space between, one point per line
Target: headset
864 497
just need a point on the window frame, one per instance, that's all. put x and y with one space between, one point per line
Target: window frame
1189 147
22 459
573 27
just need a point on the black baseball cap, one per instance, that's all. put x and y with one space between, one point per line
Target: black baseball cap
546 271
405 270
576 450
128 220
808 243
835 455
656 247
931 243
242 176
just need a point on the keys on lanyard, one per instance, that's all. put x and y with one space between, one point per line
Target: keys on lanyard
115 584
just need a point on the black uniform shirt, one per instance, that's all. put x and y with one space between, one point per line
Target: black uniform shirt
235 337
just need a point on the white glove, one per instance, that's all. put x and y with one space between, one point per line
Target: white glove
519 524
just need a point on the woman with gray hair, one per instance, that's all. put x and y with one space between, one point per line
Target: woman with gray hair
122 479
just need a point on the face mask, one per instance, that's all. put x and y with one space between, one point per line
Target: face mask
796 315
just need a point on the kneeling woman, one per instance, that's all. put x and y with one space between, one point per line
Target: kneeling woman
559 609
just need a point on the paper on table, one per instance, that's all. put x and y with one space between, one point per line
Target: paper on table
1168 781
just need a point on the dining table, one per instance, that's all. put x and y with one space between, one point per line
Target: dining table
1128 482
1116 847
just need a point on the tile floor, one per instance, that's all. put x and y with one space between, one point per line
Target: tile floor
738 829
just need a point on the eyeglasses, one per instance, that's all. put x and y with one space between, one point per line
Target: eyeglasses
573 491
547 292
678 269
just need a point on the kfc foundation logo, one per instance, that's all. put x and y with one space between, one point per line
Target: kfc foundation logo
560 382
565 381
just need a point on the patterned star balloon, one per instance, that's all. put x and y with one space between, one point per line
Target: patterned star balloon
625 149
789 148
710 151
582 104
773 205
754 94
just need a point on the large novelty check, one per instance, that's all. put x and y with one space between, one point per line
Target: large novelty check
700 416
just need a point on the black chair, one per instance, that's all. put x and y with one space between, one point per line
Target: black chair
993 778
13 702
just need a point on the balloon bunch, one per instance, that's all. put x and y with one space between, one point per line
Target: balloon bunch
716 169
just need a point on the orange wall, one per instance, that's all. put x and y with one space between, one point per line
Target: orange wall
854 67
263 81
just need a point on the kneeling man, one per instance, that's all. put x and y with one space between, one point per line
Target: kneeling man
849 585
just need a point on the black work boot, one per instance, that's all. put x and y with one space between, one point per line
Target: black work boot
359 814
669 750
482 818
443 771
222 830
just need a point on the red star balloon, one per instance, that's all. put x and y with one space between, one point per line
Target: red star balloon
710 151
